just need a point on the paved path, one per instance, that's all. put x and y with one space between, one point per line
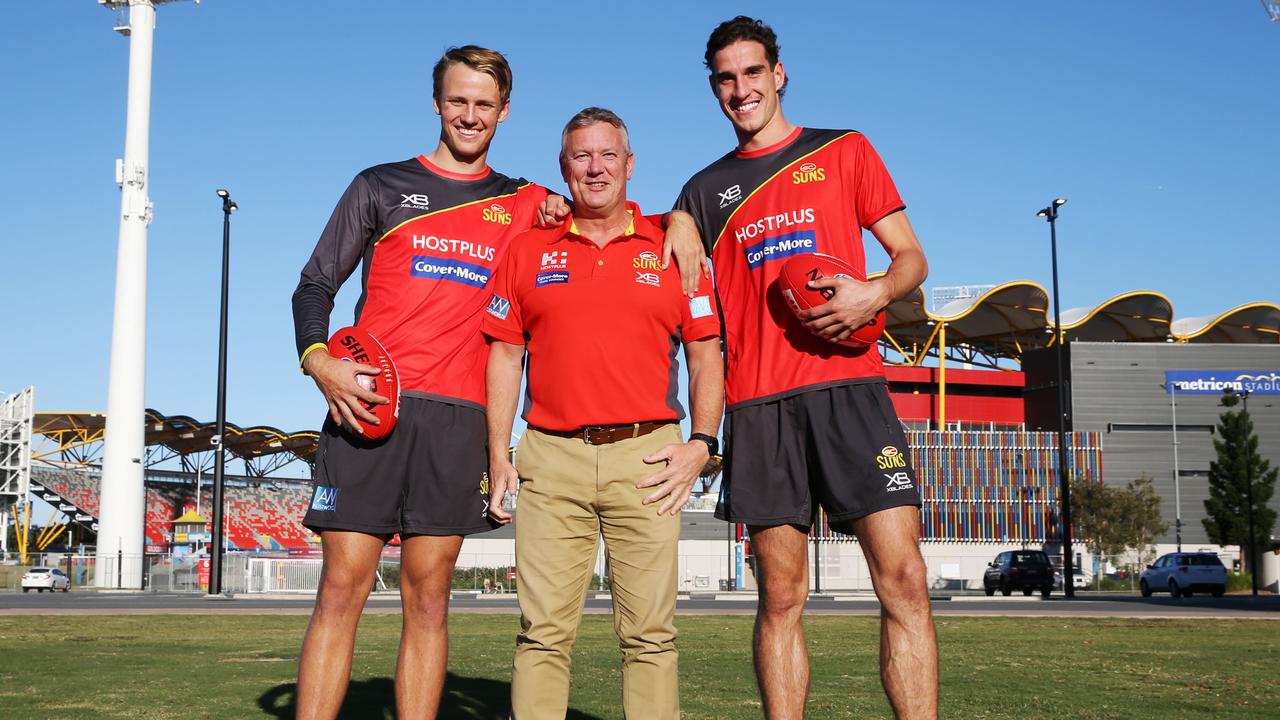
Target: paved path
744 603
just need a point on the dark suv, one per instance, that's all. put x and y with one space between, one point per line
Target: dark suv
1025 570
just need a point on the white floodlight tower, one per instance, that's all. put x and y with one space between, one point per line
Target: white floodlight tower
122 496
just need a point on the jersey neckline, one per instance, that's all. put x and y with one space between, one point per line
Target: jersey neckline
790 138
464 177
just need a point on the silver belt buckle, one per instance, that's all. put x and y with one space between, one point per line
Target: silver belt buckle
586 433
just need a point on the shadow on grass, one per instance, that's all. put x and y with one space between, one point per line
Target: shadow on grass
467 698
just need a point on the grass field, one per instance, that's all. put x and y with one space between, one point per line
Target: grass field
183 667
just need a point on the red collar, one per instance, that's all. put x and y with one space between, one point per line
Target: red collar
790 138
464 177
639 227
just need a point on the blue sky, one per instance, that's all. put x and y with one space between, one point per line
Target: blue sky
1157 120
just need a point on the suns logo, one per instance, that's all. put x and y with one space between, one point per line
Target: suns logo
647 260
889 458
807 173
495 213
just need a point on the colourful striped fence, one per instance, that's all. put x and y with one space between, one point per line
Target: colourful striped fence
991 486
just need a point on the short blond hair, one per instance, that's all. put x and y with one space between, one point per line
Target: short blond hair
489 62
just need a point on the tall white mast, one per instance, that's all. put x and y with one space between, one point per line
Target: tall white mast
122 496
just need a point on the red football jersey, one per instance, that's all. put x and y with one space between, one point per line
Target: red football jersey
429 240
812 192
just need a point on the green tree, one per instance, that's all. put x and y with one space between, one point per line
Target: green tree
1140 516
1227 507
1093 512
1113 520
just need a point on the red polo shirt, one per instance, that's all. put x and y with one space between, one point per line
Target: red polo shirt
602 325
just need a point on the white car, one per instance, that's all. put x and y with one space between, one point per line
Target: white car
1182 573
1081 579
45 578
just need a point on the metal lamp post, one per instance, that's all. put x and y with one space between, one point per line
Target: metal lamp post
1172 388
215 559
1064 486
1248 483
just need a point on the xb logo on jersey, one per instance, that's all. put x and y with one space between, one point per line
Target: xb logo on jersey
897 481
889 458
495 213
807 173
648 278
730 196
416 201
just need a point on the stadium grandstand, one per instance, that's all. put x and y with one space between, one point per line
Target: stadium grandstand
972 377
262 507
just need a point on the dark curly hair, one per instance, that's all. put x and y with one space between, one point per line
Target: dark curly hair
743 28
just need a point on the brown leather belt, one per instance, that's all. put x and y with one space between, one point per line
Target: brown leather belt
605 434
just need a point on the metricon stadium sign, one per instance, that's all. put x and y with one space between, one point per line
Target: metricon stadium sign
1215 382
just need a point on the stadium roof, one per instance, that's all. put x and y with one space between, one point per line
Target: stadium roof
75 436
1251 323
1138 316
1013 318
1003 321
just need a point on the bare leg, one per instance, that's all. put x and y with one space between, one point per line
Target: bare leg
908 643
324 668
426 573
781 658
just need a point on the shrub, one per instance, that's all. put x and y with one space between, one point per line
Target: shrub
1239 581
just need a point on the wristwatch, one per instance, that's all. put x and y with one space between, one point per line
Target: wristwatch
713 444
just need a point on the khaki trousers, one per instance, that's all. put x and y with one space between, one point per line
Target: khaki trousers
571 493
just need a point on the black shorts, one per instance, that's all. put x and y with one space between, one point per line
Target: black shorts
841 447
429 477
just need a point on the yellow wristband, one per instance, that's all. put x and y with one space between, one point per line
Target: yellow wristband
308 351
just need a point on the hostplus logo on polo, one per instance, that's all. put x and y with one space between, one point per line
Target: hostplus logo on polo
555 260
554 269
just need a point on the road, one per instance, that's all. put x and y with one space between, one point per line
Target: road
1085 604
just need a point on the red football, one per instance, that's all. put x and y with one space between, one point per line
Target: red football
356 345
794 283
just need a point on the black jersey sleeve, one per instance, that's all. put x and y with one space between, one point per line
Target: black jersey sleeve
690 202
348 237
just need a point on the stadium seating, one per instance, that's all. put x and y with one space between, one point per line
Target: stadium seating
258 517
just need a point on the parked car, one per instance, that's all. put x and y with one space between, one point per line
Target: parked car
1184 573
1081 579
1025 570
45 578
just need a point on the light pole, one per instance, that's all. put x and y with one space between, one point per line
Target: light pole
215 559
1247 422
1064 486
1172 389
